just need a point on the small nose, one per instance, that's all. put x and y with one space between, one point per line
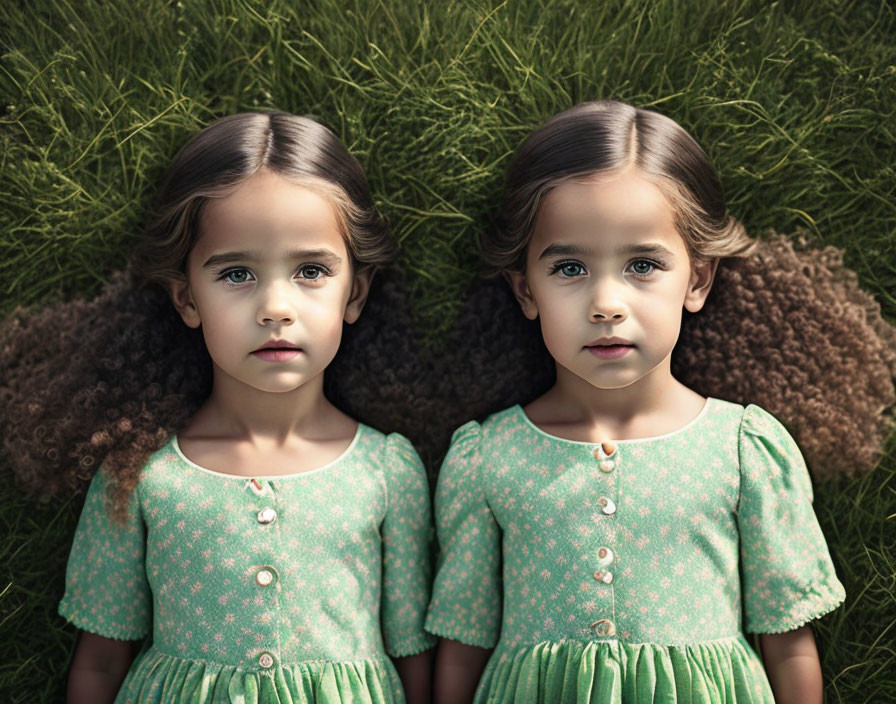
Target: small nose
606 303
276 306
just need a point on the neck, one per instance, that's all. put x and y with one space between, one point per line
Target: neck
624 411
238 411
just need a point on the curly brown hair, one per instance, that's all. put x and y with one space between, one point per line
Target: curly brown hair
110 380
788 329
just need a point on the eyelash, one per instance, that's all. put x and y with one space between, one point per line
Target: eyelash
558 267
224 274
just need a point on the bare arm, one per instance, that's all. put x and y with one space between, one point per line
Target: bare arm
98 669
792 665
458 669
415 672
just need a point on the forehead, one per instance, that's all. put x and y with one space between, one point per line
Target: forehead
269 211
624 205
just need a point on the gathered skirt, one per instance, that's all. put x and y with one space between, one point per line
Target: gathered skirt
158 678
725 671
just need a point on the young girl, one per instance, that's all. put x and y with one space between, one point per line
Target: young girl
275 549
614 538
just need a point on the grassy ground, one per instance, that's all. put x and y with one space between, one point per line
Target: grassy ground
794 101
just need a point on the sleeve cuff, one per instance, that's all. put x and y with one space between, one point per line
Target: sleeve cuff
412 646
107 630
467 636
811 609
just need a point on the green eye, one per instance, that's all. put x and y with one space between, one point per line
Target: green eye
311 271
643 267
236 276
569 269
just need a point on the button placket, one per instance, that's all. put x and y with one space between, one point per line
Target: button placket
264 513
607 456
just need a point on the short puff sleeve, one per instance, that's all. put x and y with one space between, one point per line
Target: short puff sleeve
407 537
468 591
106 590
788 577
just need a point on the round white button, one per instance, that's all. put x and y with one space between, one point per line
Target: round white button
602 576
604 556
265 660
604 627
267 515
607 505
264 577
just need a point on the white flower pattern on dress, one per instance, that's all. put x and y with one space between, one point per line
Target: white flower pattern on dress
521 516
338 579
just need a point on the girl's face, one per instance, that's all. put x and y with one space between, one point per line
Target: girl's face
608 275
270 282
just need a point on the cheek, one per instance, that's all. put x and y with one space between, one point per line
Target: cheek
324 317
558 327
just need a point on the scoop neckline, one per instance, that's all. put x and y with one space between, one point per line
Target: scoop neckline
684 428
270 477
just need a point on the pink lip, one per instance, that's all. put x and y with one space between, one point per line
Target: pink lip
277 351
610 347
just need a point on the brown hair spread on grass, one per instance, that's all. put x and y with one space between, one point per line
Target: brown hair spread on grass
793 332
110 380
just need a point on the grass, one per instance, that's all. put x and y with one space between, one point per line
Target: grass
794 101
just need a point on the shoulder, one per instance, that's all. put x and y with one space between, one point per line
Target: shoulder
166 456
757 421
768 452
502 425
760 428
389 453
401 450
157 465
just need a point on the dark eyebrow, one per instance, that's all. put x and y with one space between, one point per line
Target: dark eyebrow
567 250
563 250
325 256
654 248
228 258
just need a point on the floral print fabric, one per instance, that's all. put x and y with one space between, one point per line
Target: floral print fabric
296 585
548 542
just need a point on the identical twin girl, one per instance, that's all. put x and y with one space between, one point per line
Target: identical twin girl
609 542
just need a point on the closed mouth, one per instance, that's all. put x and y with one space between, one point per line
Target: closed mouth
281 345
610 342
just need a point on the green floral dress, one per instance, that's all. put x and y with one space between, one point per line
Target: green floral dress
627 571
288 588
